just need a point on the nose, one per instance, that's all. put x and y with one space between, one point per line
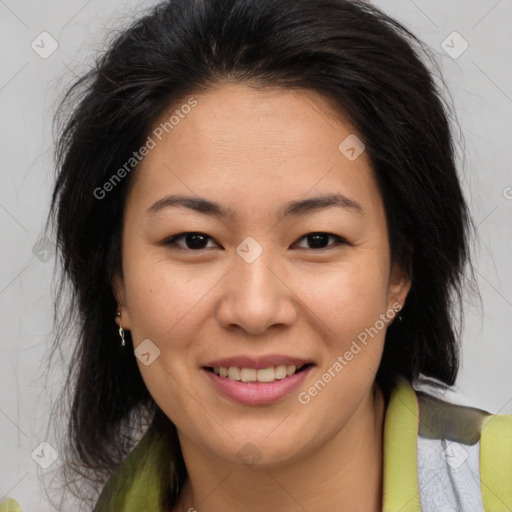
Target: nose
257 295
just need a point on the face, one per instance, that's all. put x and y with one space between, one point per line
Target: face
256 276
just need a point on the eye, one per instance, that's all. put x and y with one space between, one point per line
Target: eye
319 240
193 240
196 241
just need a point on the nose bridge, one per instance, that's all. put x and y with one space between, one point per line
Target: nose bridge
252 267
255 297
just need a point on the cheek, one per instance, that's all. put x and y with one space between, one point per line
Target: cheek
162 301
348 304
348 298
165 307
169 303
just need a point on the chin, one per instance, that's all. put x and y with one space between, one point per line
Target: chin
262 448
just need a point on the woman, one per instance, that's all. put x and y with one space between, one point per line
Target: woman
260 366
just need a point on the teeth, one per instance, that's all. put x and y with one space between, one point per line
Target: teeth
280 372
252 375
290 370
234 373
265 375
247 374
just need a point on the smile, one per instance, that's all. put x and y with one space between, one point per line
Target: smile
257 386
257 375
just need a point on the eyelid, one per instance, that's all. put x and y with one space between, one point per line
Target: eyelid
339 240
171 240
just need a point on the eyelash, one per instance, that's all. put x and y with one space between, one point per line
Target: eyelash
339 240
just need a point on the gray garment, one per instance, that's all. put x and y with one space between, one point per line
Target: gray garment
448 452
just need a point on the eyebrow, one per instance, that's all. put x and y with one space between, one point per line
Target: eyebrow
293 208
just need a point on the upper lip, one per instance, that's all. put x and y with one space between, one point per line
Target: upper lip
258 362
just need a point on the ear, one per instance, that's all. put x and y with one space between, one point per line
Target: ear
400 281
119 291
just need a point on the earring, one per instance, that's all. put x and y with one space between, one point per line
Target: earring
121 330
397 310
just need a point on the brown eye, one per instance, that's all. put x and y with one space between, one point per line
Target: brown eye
196 241
321 240
193 240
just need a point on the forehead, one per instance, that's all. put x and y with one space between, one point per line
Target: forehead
267 119
264 143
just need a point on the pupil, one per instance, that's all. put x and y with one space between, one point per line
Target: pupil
317 238
195 241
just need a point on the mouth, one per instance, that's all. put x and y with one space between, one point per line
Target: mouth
254 382
258 375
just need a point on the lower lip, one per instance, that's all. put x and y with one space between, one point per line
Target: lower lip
257 393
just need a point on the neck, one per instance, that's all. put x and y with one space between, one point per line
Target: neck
347 469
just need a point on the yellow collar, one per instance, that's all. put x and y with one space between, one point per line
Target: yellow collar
401 489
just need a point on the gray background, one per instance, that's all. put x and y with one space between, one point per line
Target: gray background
479 81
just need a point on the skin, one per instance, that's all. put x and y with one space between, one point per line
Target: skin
253 151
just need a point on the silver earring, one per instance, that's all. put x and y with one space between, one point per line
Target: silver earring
397 310
121 331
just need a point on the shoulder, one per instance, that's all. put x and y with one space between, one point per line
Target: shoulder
464 454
